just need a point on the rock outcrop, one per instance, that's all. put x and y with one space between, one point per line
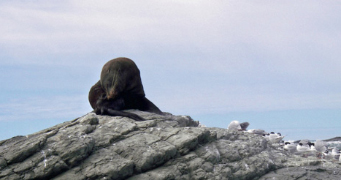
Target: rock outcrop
161 148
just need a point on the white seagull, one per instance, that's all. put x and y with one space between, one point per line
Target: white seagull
320 146
290 146
327 154
335 153
234 126
275 138
266 136
303 148
312 147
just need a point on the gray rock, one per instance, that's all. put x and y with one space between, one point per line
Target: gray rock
307 172
161 148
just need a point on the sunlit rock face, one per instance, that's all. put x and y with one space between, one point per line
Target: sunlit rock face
160 148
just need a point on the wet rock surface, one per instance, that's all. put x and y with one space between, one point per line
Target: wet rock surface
161 148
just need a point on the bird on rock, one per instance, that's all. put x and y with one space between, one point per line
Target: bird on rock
234 126
275 138
290 146
320 147
304 148
257 131
335 153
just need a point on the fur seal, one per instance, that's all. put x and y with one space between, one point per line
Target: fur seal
120 88
104 106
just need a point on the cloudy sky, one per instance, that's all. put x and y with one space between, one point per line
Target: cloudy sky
273 63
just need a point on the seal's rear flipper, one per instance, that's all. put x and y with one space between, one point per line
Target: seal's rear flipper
111 112
141 103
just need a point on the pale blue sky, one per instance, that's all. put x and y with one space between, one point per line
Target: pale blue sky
275 64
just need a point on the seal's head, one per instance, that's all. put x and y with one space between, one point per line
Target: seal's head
121 75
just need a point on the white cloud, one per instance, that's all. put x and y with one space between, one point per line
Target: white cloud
235 55
194 27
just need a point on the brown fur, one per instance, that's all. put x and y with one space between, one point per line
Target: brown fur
120 88
119 76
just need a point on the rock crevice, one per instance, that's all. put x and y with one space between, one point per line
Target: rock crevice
161 148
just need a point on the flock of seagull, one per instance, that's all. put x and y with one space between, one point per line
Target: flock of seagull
318 148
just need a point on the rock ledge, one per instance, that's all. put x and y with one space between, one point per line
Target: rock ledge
161 148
